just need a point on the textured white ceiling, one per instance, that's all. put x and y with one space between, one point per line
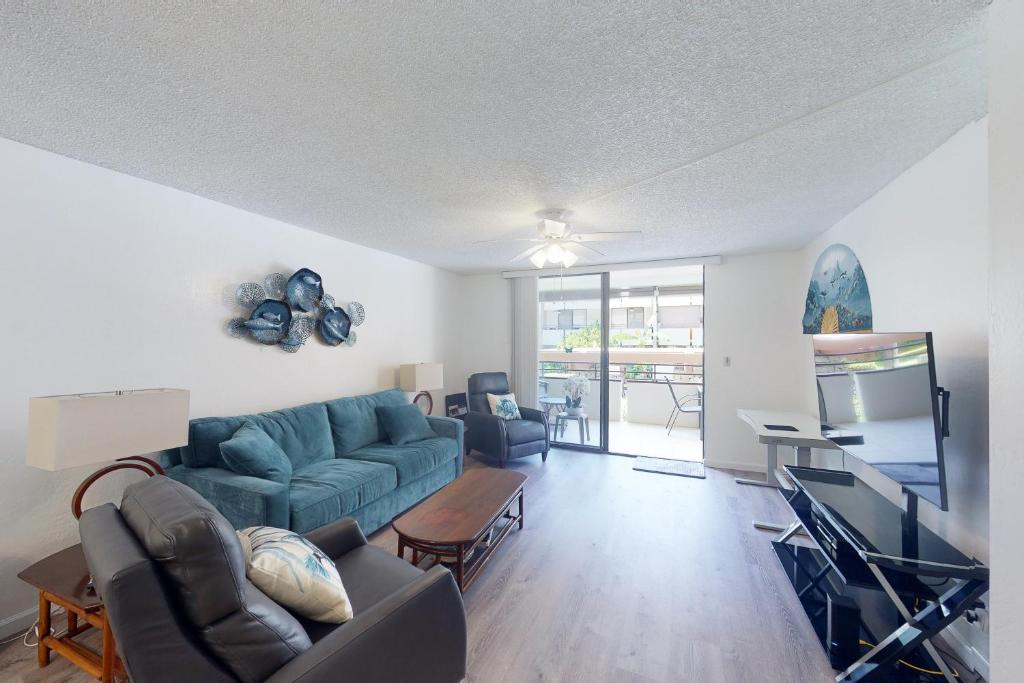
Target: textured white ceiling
717 127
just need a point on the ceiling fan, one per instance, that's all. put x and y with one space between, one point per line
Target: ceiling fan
557 244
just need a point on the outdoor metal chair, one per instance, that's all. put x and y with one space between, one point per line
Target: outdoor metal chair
693 404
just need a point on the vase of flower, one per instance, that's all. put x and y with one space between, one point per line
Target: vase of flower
576 388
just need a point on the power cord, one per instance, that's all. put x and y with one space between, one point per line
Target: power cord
956 674
33 630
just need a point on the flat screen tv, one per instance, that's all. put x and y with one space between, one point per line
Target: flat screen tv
879 402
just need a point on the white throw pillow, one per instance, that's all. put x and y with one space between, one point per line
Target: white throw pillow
504 406
295 573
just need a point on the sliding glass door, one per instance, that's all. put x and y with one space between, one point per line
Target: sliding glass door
621 359
572 358
656 364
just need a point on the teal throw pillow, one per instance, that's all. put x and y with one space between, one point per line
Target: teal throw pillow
252 453
404 424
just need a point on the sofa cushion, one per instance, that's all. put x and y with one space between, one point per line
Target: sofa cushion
325 491
404 424
252 453
353 420
303 433
413 460
524 431
199 553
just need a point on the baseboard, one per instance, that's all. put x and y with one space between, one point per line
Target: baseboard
17 623
737 466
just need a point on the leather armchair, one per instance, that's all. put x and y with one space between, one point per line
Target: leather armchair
408 624
499 438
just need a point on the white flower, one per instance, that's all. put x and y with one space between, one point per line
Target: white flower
577 386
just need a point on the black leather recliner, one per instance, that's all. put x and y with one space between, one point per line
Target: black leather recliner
499 438
171 573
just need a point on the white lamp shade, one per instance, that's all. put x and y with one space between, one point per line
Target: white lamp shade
85 429
421 376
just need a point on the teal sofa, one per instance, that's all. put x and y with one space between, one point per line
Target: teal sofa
342 465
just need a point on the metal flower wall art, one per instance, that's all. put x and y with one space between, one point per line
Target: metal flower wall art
287 311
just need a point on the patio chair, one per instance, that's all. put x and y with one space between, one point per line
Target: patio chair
694 404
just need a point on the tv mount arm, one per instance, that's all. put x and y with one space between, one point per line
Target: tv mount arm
910 542
944 395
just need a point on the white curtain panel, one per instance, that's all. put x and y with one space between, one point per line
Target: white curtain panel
525 340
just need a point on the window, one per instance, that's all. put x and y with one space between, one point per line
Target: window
680 316
631 318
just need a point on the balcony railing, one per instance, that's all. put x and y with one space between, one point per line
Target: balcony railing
631 372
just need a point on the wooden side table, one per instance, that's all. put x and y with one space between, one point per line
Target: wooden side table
63 579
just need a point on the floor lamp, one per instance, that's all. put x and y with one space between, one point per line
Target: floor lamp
118 426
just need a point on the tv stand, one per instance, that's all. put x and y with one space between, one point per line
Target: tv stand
874 562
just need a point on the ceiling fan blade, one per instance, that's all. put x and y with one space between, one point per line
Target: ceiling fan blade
589 248
509 239
604 236
528 252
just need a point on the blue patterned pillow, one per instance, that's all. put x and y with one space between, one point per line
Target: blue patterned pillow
504 406
295 573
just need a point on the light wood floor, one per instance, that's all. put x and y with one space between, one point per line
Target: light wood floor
619 576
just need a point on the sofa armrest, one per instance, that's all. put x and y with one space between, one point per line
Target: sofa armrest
337 538
451 428
487 433
245 501
425 620
533 415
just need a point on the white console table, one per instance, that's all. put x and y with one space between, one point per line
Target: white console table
804 435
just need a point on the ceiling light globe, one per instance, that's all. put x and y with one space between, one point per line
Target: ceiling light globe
555 253
569 258
538 258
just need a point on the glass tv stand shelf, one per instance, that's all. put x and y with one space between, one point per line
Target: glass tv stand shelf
876 584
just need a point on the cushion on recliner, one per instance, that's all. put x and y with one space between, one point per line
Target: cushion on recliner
483 383
326 491
524 431
303 433
412 460
353 420
370 574
198 551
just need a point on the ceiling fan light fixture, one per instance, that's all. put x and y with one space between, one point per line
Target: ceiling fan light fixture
552 228
569 258
539 258
555 252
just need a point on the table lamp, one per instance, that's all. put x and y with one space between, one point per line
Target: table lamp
421 377
86 429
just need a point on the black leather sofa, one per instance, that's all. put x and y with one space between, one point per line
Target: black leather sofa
171 573
496 437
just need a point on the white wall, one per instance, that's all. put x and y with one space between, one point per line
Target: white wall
482 337
923 243
1006 362
751 317
114 282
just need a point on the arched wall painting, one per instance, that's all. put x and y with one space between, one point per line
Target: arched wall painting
838 299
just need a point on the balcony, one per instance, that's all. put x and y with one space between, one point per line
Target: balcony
639 401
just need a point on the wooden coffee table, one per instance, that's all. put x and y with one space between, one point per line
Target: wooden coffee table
462 524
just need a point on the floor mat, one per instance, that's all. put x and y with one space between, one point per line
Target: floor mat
680 468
